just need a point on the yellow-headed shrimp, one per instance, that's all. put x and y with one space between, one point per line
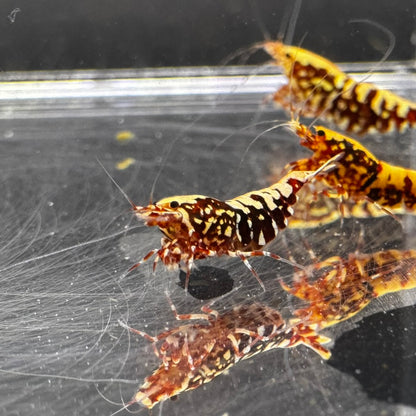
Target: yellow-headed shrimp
319 88
359 175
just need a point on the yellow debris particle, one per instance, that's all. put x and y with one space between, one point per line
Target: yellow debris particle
125 163
124 135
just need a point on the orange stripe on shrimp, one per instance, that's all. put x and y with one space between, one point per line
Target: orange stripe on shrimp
359 175
343 287
318 88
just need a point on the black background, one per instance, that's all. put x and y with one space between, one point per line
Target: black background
62 34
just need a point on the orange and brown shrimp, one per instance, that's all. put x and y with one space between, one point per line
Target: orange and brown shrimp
314 209
320 89
343 287
194 354
197 226
359 175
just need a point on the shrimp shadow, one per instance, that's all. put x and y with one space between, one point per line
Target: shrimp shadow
207 282
381 354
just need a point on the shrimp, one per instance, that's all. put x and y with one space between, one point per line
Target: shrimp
343 287
314 209
194 354
197 226
359 175
320 89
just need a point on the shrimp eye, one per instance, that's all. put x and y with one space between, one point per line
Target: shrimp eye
320 133
174 204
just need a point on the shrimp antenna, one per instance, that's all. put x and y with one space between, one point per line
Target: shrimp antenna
242 129
292 22
255 9
390 35
272 128
116 184
125 407
284 24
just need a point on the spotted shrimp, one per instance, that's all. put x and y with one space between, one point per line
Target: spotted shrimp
342 287
320 89
194 354
196 226
314 209
359 175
